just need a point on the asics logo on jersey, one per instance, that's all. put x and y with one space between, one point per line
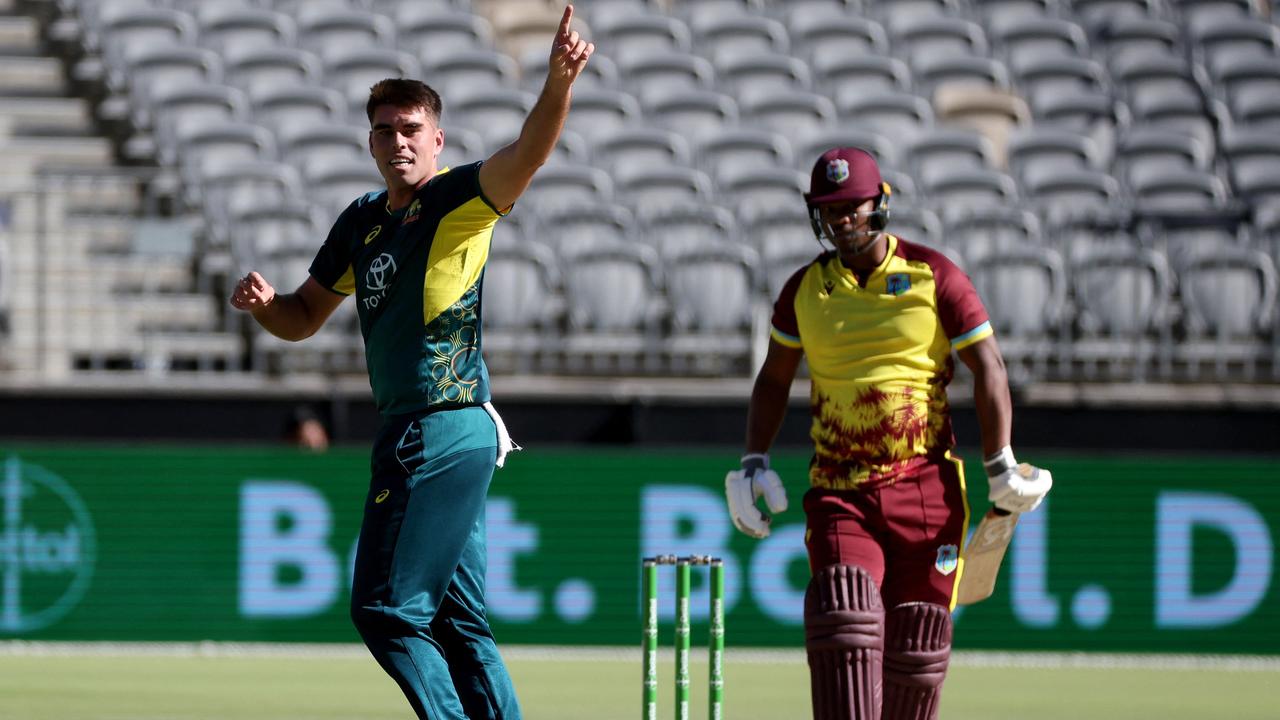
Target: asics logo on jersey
382 496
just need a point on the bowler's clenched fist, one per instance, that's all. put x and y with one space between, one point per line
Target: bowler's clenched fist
252 293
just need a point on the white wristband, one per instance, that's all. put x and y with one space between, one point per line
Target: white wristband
762 457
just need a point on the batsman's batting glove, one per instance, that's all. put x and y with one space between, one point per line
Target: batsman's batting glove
1015 487
743 487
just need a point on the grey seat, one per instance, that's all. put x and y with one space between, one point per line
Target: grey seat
1125 34
1197 12
1020 36
1124 314
1095 115
1037 151
155 66
1024 291
497 113
123 31
684 225
713 291
944 149
780 233
232 27
432 33
353 70
569 229
932 71
753 75
789 111
325 29
983 231
1258 107
310 143
716 35
1229 298
523 305
175 109
1041 76
292 104
956 188
227 191
630 35
269 65
598 112
897 115
762 186
736 149
809 146
831 31
1184 234
1179 189
467 68
891 12
1144 152
1244 80
556 186
694 113
616 307
654 187
993 11
656 74
1099 12
271 228
1071 192
917 35
336 183
462 146
639 145
1252 156
208 145
1148 77
919 225
842 77
1222 38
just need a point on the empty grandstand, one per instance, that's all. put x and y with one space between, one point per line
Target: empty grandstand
1118 161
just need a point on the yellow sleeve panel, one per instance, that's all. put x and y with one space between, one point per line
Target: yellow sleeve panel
458 254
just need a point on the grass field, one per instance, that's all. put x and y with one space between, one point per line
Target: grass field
45 686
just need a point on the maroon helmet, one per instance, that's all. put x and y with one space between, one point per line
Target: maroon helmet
847 174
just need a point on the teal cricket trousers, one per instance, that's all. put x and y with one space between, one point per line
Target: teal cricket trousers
417 597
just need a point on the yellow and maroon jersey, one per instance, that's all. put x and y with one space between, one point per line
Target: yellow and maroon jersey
880 359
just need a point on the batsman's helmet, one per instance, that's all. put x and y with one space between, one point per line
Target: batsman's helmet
848 174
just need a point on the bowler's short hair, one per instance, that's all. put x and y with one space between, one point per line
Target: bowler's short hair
404 94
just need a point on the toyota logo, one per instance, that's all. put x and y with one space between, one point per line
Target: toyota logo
381 270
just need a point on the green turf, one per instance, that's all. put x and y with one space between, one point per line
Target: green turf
226 688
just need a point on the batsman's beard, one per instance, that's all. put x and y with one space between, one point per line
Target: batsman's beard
863 240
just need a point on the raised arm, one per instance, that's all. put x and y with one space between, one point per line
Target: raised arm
506 174
292 316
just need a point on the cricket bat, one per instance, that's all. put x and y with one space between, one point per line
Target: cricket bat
983 555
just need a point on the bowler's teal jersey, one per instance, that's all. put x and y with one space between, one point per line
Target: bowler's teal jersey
416 274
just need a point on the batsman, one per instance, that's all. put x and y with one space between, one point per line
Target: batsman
877 319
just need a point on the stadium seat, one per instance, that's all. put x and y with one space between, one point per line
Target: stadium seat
1253 157
639 145
656 74
1019 36
462 70
124 30
919 225
431 33
1124 314
958 189
214 143
946 148
497 113
1136 34
335 183
753 75
271 228
843 77
1245 81
269 65
735 34
1229 299
616 307
917 35
1072 192
809 146
1186 234
292 104
829 31
174 110
992 11
1182 190
523 307
713 290
1041 76
694 114
331 29
637 34
598 112
982 231
898 116
761 186
571 228
309 143
891 12
1258 107
1196 12
789 111
232 27
164 65
1037 151
226 191
685 225
779 232
993 112
647 188
1217 39
1144 152
1025 294
353 70
557 186
961 73
738 149
1092 114
1095 13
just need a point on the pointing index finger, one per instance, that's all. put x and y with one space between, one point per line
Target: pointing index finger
565 20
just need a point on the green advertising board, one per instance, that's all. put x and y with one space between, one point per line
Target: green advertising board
243 544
